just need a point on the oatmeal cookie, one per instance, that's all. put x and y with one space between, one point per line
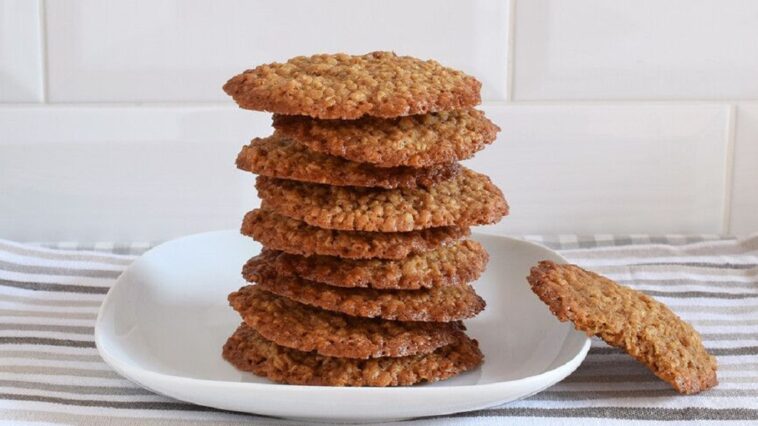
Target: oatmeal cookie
461 262
291 324
441 304
643 327
280 157
346 87
465 200
296 237
416 141
249 351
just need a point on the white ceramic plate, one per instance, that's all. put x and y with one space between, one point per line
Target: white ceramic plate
165 320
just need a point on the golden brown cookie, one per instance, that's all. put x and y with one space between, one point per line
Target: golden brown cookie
291 324
441 304
346 87
467 199
643 327
417 140
249 351
279 157
461 262
293 236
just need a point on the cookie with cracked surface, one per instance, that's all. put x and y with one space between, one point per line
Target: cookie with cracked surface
628 319
458 263
440 304
465 200
416 141
296 237
294 325
280 157
346 87
249 351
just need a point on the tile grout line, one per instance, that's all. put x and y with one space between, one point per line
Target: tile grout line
511 46
731 136
623 102
43 50
111 104
491 103
485 102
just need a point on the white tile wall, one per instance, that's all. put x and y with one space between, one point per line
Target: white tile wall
121 174
617 117
20 51
31 125
609 169
744 214
643 49
179 50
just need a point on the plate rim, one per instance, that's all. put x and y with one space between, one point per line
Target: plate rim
136 372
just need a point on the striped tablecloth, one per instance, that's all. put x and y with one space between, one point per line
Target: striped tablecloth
50 370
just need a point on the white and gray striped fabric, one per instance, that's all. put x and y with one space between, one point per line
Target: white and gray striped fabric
50 370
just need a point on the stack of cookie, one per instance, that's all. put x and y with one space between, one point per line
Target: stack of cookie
364 276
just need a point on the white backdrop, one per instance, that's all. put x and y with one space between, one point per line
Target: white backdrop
617 117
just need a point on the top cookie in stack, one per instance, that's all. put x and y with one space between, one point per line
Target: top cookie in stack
364 276
345 87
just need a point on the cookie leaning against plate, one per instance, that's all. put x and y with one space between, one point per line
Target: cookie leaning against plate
643 327
440 304
249 351
293 236
279 157
294 325
457 263
417 140
467 199
379 84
